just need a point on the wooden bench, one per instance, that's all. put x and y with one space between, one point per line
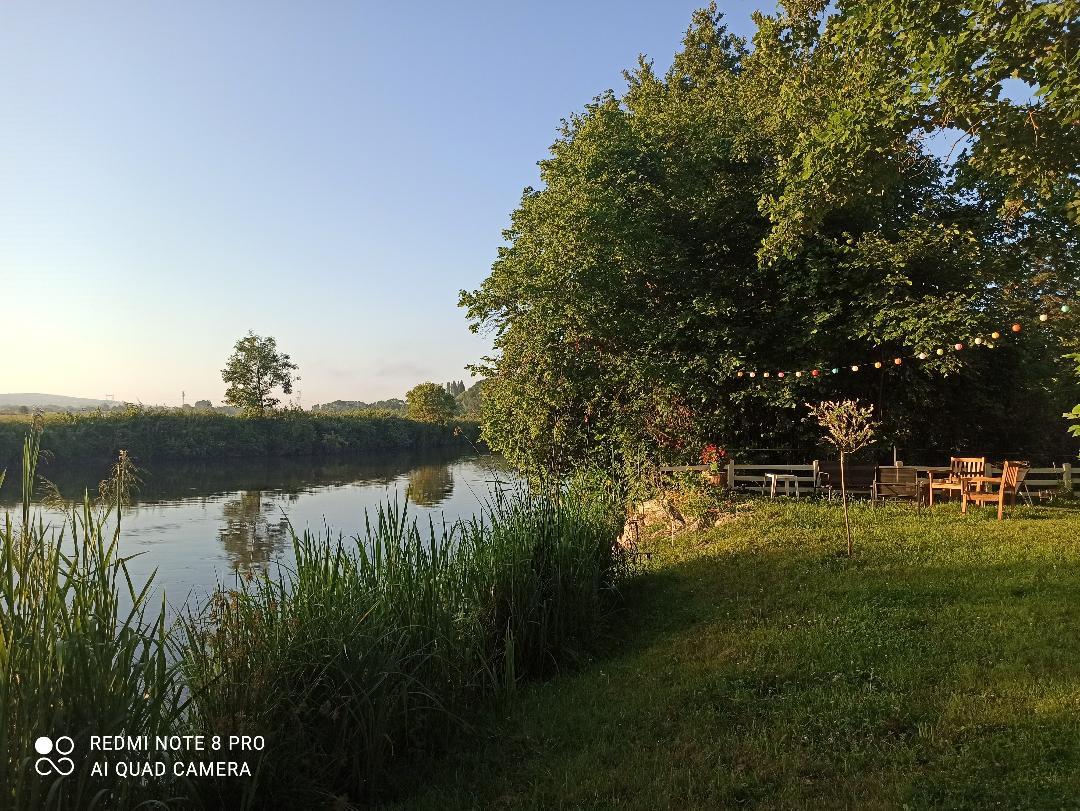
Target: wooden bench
860 480
900 483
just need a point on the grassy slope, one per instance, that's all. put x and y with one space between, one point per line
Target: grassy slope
755 667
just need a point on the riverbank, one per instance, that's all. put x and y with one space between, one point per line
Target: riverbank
757 667
364 658
159 433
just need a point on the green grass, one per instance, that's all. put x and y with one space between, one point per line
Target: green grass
757 666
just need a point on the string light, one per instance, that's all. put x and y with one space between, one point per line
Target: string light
798 374
753 374
958 347
995 335
1043 316
740 374
940 351
854 368
1064 308
978 341
815 373
1016 327
923 356
897 361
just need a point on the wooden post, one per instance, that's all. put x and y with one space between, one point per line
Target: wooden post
731 473
817 470
1066 476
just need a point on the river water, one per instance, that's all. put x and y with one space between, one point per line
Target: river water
202 524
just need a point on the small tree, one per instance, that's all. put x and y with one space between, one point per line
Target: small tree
253 371
430 402
850 428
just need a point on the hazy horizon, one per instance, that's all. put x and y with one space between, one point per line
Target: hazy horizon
330 175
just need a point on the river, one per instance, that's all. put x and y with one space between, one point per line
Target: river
201 524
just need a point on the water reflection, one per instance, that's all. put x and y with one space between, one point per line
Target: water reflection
198 524
255 530
430 485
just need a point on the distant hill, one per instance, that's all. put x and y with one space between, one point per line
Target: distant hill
58 401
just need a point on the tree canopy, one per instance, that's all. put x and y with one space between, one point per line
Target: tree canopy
254 370
430 402
770 207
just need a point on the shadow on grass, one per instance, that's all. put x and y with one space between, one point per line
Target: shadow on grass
756 668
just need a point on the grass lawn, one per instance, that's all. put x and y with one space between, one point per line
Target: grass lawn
755 666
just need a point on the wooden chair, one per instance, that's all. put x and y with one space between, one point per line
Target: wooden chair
901 483
960 468
1008 484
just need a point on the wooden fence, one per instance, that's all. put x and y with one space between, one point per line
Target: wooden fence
752 477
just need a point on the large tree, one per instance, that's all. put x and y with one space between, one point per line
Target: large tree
645 272
254 370
430 402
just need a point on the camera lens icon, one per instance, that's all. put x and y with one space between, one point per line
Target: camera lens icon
62 746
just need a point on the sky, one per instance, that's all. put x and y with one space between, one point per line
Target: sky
332 174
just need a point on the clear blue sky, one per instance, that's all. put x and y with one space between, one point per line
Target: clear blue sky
331 173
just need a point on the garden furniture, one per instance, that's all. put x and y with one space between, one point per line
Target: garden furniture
861 479
901 483
771 480
977 487
960 468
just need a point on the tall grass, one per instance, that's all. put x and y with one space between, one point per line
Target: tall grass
82 652
373 649
367 654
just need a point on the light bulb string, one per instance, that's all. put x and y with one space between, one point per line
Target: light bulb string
887 360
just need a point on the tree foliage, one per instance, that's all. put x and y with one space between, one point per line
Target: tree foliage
666 248
254 370
430 402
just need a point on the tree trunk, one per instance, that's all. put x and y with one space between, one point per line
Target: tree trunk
843 500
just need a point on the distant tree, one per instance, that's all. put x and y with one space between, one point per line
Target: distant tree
468 400
203 404
430 402
254 370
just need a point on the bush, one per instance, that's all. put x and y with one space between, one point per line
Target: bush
159 433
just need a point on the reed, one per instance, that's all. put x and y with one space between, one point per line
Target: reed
365 656
82 652
372 651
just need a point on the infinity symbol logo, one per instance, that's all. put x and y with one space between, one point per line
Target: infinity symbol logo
63 765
